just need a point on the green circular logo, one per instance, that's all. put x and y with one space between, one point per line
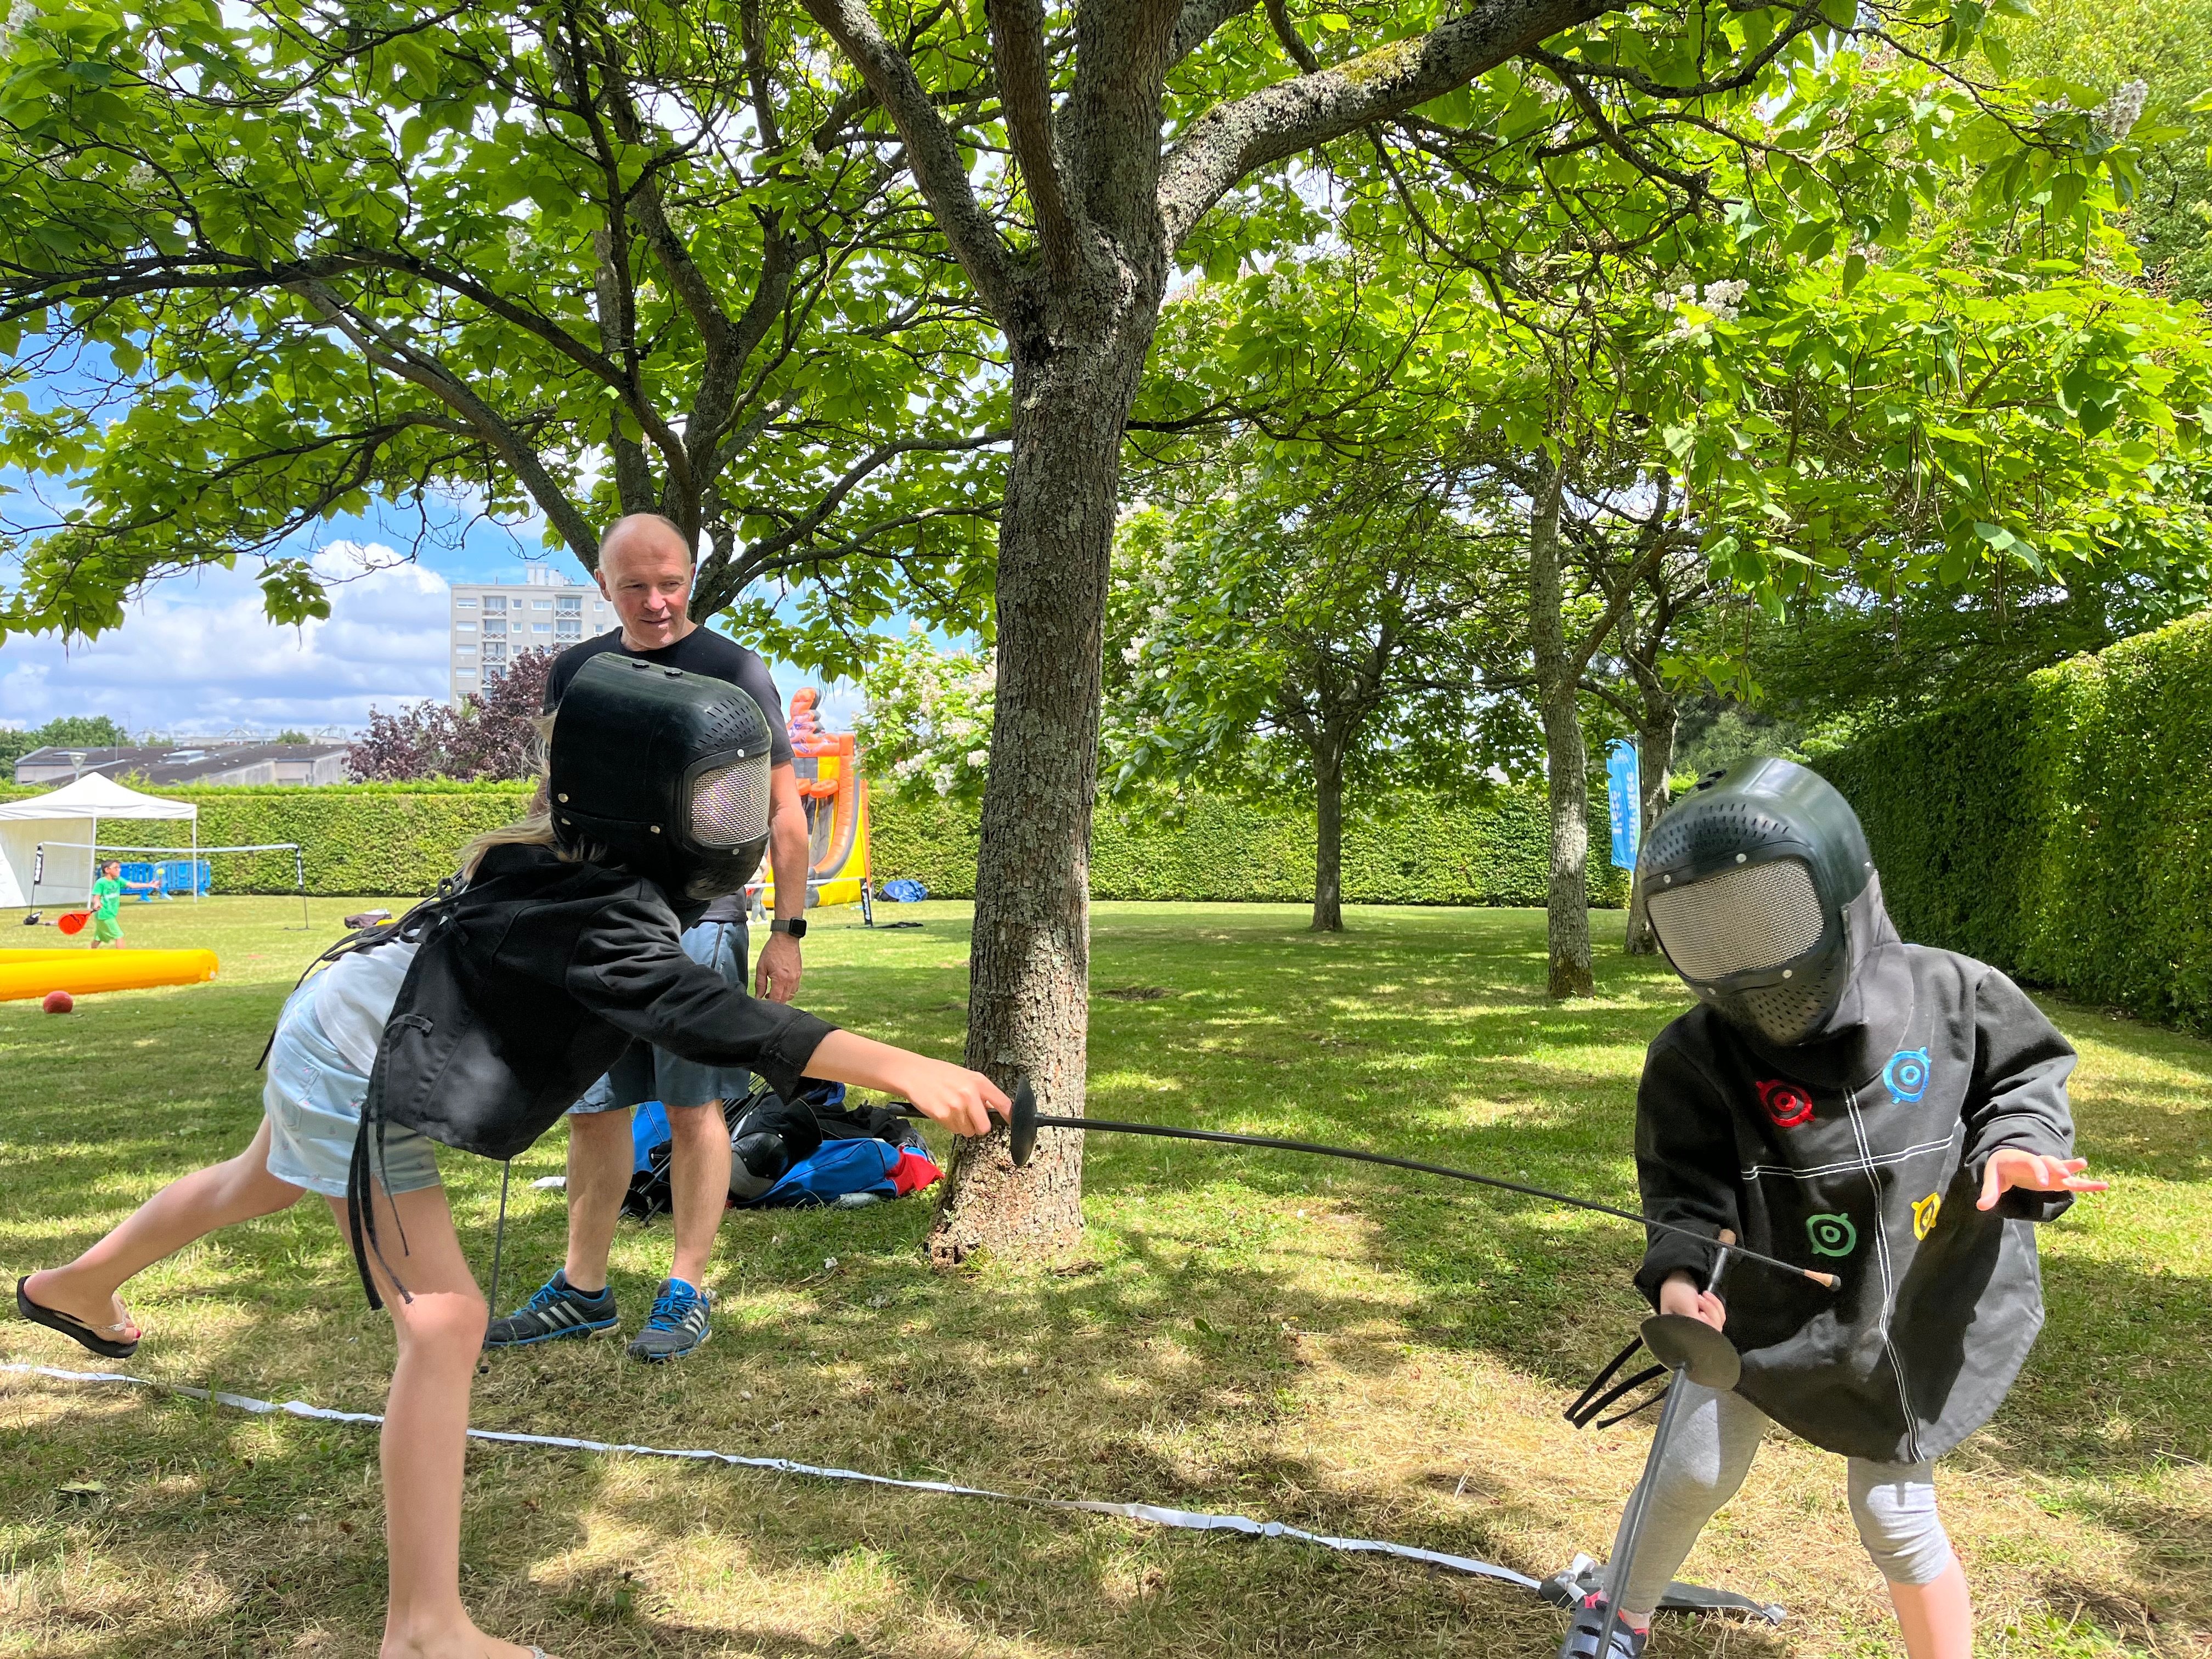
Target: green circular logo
1831 1235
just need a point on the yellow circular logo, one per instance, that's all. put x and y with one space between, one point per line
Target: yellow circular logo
1923 1214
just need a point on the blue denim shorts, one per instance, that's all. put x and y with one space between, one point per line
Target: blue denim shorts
312 1100
645 1072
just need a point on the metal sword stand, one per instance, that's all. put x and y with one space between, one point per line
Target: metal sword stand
498 1234
1690 1349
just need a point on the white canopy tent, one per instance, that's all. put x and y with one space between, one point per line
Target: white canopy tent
66 823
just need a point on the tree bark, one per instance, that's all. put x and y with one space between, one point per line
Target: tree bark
1565 754
1654 758
1328 834
1028 997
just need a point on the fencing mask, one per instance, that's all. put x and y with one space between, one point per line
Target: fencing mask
1750 881
668 772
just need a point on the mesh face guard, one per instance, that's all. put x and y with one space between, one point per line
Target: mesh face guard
1746 880
730 803
1757 915
667 771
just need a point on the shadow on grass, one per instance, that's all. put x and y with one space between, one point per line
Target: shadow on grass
1171 1360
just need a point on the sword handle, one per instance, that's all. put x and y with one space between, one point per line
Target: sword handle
1726 1240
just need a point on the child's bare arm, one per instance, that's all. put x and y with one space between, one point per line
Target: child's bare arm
960 1099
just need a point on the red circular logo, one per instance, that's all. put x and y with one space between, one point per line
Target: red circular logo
1785 1103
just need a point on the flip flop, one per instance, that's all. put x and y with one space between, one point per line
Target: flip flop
54 1320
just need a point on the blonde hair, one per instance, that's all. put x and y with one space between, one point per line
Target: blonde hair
534 829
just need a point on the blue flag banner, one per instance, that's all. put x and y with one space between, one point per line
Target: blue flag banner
1625 796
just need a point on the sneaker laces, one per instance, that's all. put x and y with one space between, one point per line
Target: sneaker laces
671 1306
548 1293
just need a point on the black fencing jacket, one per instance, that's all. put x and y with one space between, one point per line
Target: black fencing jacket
529 982
1861 1153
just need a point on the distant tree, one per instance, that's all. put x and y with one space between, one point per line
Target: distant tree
492 736
71 730
289 736
1317 629
927 728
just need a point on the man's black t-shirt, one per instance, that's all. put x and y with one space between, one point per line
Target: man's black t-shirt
701 650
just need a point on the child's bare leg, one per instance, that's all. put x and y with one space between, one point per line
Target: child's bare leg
1894 1506
1937 1618
189 1208
440 1326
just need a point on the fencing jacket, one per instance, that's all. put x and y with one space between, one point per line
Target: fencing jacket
1862 1153
528 983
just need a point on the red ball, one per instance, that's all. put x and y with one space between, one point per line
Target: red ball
58 1002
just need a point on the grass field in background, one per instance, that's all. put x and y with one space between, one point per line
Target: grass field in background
1350 1351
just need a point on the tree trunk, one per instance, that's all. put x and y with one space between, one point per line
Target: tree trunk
1654 758
1028 995
1566 758
1328 834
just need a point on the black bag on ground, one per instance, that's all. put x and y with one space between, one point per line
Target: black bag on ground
769 1136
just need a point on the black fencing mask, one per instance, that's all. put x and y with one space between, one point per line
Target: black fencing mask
666 771
1754 883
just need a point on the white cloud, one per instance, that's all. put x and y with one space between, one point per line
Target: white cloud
199 657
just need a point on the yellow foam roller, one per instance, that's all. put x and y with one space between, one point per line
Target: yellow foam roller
84 973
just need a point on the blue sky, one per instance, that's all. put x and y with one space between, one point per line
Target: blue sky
196 656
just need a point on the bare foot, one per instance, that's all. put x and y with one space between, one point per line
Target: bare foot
50 1287
467 1643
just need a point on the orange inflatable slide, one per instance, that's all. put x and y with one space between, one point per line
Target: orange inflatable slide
80 972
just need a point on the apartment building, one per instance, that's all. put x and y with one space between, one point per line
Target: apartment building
491 623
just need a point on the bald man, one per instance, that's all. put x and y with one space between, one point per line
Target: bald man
646 571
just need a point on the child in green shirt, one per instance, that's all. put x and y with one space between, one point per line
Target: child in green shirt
107 901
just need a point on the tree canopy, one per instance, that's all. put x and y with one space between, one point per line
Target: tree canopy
282 262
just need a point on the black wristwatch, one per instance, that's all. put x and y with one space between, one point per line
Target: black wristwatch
796 927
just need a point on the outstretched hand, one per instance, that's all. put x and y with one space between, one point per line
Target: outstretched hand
961 1100
2035 1172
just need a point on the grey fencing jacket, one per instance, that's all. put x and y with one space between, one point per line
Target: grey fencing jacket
1861 1152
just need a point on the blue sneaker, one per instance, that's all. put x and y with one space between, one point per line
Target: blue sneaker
556 1311
678 1323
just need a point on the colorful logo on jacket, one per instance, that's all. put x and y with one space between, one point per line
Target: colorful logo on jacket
1925 1212
1785 1103
1906 1074
1831 1235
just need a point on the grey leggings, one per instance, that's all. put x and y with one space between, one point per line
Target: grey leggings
1716 1437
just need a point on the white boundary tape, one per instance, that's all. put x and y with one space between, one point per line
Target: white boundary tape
1189 1520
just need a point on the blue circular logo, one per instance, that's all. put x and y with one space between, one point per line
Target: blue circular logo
1906 1074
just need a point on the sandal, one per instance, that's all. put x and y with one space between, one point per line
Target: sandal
69 1325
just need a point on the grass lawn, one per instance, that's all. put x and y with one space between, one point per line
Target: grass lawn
1344 1349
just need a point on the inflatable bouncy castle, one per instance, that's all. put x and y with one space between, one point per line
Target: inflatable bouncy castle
835 796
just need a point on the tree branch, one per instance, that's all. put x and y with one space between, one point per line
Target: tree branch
931 151
1199 19
1230 140
419 368
1026 98
1279 19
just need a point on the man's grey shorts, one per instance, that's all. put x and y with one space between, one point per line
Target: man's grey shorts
645 1073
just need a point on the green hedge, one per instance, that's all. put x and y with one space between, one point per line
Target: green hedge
2061 829
1423 852
387 839
367 840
